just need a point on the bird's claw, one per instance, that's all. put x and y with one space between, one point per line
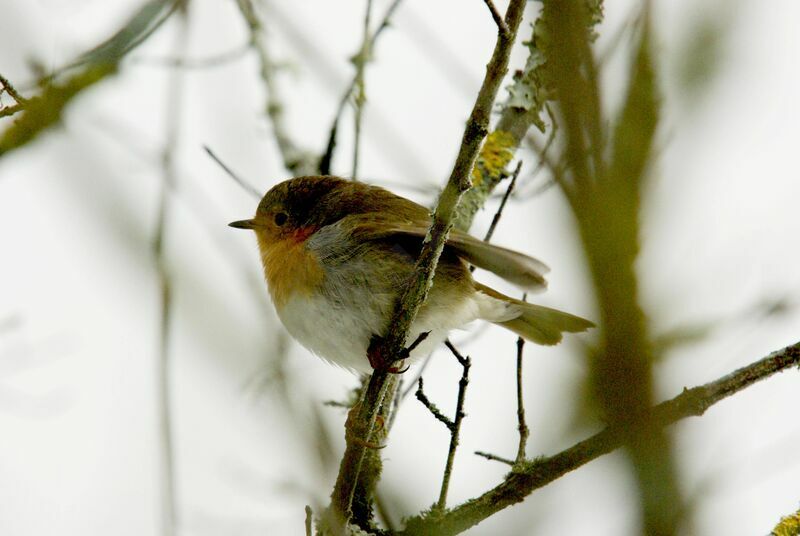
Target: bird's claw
378 362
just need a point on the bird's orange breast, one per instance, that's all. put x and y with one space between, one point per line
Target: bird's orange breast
290 268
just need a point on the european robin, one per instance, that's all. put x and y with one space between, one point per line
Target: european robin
337 254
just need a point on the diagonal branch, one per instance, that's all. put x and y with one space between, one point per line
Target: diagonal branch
527 478
45 110
393 344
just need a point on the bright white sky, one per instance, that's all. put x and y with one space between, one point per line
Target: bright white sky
79 308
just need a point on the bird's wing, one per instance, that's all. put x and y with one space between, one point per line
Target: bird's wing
512 266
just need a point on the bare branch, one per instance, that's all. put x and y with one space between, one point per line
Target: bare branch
494 457
217 60
530 476
522 426
435 411
498 18
456 428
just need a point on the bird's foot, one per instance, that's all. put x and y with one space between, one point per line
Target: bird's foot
391 365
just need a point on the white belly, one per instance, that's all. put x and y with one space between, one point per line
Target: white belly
342 336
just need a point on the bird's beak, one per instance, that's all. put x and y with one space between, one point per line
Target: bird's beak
243 224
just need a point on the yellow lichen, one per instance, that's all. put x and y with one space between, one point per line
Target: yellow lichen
496 153
788 526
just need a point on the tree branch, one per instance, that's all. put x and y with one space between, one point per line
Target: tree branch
522 426
295 159
43 111
360 61
327 156
528 477
456 428
498 19
393 344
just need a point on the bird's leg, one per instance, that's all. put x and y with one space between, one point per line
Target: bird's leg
378 361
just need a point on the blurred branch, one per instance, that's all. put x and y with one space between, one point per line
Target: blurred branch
309 515
21 101
45 110
197 63
327 157
8 111
296 160
164 379
11 90
602 178
532 475
360 62
390 347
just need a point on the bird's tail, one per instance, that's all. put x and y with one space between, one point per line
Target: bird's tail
536 323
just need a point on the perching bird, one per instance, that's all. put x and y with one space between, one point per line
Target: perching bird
337 254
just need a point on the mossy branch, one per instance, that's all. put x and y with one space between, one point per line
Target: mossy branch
46 109
528 477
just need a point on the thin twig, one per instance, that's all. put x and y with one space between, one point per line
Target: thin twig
495 458
360 61
522 426
430 406
456 428
499 213
246 186
498 18
530 476
330 147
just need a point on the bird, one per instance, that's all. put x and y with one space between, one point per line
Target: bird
337 254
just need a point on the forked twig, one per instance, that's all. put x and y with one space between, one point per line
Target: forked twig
454 425
498 18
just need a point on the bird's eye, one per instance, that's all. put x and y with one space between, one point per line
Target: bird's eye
280 218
